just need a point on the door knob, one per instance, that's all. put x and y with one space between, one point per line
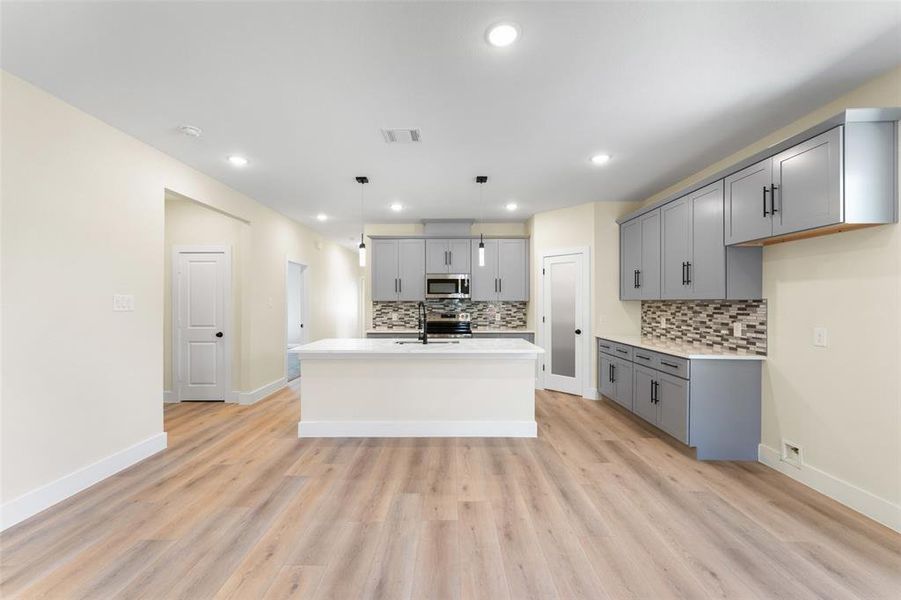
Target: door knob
578 332
219 334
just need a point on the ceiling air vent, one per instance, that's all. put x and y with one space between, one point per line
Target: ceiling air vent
401 136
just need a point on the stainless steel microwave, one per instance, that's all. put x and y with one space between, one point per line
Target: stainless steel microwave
447 285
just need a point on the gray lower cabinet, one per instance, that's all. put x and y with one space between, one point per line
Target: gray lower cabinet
712 405
640 257
615 376
505 276
671 396
643 400
398 270
447 255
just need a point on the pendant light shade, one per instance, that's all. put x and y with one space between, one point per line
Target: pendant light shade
361 249
481 179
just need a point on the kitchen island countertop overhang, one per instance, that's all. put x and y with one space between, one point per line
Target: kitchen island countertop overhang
381 388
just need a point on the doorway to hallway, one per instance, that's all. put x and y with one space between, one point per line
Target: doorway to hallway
296 311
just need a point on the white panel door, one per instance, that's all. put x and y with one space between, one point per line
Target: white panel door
563 327
201 325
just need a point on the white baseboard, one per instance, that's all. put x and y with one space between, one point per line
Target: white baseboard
591 394
169 397
864 502
262 392
307 429
33 502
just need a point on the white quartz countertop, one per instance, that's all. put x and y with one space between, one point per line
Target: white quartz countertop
474 330
681 349
389 348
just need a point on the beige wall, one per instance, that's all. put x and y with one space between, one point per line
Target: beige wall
841 404
83 218
586 225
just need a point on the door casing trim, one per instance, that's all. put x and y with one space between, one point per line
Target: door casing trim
588 390
225 249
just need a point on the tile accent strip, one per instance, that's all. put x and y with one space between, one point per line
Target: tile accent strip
402 315
708 322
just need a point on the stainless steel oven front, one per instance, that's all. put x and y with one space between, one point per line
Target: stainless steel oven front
447 285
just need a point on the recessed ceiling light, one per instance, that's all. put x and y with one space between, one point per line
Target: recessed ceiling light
600 159
237 161
502 35
397 206
190 130
322 217
511 206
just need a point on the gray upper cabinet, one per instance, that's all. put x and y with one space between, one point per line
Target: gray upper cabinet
505 276
747 208
807 184
512 270
640 257
398 270
705 269
411 270
676 234
693 254
384 270
630 259
483 281
447 255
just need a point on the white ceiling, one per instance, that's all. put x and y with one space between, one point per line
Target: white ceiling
302 90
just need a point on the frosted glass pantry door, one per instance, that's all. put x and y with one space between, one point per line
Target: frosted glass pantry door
563 288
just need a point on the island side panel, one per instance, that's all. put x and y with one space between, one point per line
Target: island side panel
417 397
724 421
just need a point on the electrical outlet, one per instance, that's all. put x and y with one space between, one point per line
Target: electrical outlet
662 322
123 303
497 317
791 453
820 338
394 316
736 329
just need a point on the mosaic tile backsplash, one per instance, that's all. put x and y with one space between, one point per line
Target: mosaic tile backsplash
511 315
708 322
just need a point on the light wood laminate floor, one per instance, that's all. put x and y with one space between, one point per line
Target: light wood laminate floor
599 506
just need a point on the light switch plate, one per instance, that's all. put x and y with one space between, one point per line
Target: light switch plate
736 329
820 337
123 302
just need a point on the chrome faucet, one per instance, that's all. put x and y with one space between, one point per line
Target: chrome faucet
423 322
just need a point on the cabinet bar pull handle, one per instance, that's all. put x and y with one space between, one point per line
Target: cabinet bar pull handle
400 286
654 398
612 373
500 285
688 273
639 277
666 364
642 357
621 351
765 213
773 188
683 273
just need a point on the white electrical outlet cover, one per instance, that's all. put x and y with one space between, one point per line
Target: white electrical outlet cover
736 329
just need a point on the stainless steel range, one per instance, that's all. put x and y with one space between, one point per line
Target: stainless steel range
449 325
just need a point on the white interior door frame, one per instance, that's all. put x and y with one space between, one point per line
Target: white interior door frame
227 303
588 391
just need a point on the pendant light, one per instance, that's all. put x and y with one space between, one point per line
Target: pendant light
361 249
481 179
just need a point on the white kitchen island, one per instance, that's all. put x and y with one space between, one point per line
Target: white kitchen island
382 388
